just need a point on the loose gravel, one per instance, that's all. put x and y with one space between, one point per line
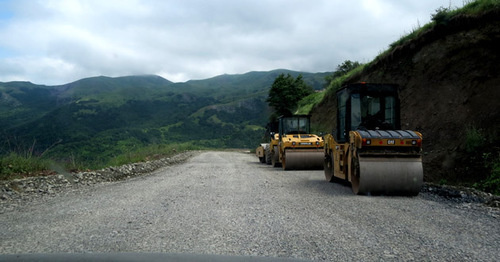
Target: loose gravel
227 203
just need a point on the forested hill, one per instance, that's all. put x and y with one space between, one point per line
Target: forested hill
96 118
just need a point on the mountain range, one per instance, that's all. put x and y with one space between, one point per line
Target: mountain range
94 119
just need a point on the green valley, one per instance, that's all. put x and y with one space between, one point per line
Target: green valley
90 122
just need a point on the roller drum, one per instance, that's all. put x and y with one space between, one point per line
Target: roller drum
303 159
388 176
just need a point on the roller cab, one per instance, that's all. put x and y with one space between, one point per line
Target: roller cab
297 148
368 147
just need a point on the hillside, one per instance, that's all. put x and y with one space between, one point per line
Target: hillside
95 119
449 78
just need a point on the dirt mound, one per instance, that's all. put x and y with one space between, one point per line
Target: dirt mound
449 79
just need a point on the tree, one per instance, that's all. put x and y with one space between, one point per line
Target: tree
285 93
343 69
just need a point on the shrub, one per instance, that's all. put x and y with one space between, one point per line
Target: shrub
14 165
492 182
442 16
473 139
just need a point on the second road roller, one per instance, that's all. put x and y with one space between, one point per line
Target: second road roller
368 148
294 147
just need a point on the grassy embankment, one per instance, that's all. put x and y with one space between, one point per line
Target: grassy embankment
19 165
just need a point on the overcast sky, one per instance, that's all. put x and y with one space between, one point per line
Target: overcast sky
55 42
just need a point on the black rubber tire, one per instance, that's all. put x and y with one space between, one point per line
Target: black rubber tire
269 156
355 176
328 167
275 158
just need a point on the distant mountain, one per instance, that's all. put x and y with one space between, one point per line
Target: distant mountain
21 102
95 118
229 87
98 85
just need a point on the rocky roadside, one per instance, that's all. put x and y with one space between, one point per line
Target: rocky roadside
16 192
462 195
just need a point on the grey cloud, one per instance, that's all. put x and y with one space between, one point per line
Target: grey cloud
194 39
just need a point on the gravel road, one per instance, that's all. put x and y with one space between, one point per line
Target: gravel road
227 203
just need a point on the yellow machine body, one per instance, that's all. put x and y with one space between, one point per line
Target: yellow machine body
373 160
295 147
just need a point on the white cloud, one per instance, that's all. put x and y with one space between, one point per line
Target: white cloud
58 41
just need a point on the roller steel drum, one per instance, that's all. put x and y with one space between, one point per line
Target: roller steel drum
388 176
303 159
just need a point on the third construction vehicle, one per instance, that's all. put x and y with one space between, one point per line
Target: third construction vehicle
368 148
263 151
294 147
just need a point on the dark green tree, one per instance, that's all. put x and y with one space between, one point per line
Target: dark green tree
343 69
285 93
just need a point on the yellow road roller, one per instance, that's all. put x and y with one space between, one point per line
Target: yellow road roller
294 147
263 151
368 148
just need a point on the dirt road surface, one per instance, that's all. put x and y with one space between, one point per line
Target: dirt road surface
228 203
